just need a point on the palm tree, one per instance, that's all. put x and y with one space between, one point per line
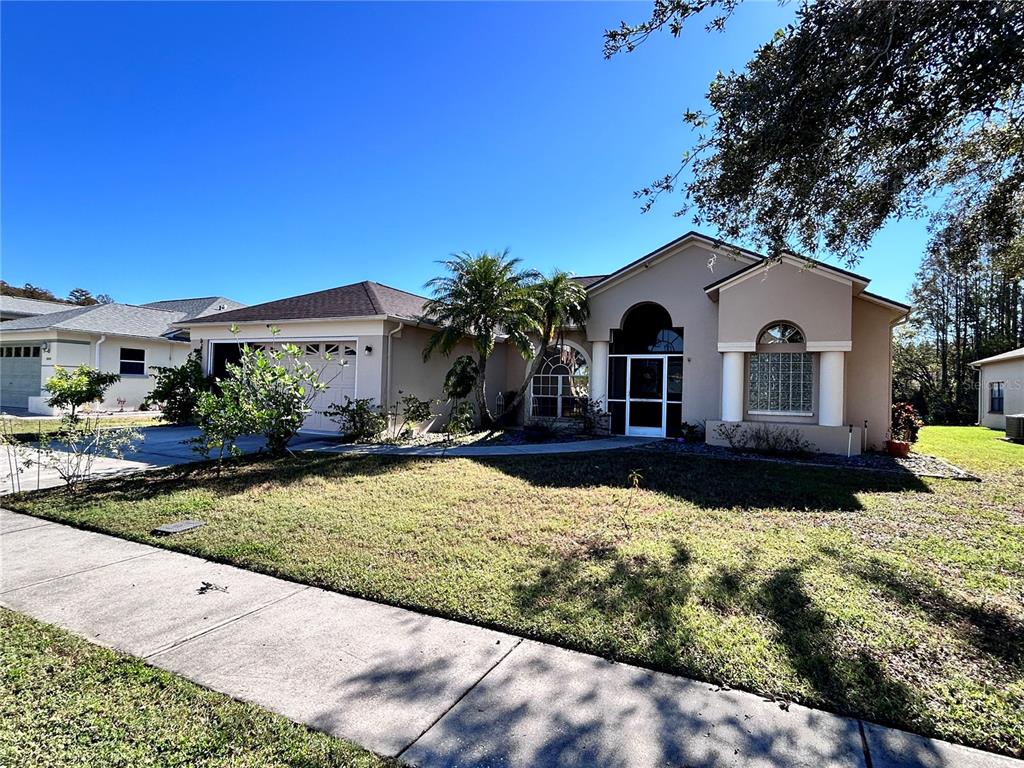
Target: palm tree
480 297
560 301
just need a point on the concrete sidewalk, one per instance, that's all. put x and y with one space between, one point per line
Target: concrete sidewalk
430 691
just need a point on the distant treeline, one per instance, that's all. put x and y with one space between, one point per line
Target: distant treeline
79 296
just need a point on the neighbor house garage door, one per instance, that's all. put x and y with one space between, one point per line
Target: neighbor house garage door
20 370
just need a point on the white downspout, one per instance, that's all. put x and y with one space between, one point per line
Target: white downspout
391 341
97 356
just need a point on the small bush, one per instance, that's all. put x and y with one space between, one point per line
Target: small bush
462 419
359 420
592 417
73 389
177 389
406 413
538 431
770 439
905 423
691 433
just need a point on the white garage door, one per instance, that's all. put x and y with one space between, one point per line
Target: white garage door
338 373
20 371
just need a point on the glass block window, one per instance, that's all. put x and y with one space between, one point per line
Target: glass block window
562 380
781 382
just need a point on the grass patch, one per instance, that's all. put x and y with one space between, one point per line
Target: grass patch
66 702
979 449
877 595
29 429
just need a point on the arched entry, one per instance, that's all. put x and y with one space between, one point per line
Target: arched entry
645 374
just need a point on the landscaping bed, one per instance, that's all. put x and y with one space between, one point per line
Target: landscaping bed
883 595
65 702
918 464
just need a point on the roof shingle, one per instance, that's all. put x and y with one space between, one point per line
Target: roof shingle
365 299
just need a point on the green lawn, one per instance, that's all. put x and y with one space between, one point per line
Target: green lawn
65 702
29 429
878 595
978 449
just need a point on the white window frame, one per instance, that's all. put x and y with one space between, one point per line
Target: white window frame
559 384
121 361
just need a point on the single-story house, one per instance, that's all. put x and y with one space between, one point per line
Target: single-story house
1000 387
695 332
122 338
14 307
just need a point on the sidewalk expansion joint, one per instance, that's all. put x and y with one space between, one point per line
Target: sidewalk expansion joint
864 743
76 573
464 694
207 630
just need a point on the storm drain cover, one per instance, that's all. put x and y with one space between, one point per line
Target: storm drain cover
179 527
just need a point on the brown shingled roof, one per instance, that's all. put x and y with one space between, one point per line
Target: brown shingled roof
356 300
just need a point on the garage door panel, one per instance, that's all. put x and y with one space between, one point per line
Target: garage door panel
338 373
20 374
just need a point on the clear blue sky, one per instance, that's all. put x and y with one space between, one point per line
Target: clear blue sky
261 150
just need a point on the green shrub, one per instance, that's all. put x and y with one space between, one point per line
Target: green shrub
177 389
359 419
905 423
76 388
461 419
406 413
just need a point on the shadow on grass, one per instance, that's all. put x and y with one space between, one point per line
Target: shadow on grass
710 483
988 628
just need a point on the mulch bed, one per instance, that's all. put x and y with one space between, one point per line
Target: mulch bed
917 464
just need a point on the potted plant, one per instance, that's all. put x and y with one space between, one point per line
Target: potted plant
903 431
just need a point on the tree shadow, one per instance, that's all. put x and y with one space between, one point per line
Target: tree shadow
711 483
988 628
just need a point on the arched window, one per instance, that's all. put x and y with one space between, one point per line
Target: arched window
562 380
780 375
781 333
647 329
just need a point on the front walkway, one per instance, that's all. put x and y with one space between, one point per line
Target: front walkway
430 691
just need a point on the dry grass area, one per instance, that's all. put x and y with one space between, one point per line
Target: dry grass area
883 596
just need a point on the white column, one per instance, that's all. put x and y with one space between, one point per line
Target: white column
599 373
732 386
830 388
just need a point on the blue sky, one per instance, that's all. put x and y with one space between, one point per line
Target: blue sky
261 150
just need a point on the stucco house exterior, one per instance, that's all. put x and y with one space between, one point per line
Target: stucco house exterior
120 338
1000 387
695 332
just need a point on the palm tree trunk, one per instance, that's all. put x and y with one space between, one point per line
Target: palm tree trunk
486 417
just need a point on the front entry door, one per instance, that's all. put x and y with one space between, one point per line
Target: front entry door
645 396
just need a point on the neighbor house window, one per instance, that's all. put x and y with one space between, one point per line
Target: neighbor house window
563 379
780 375
133 362
995 397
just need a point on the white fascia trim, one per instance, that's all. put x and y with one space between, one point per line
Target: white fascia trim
664 253
794 261
737 346
280 339
276 323
829 346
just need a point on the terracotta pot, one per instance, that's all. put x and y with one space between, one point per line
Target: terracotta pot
897 448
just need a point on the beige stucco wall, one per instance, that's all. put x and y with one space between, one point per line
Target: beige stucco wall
70 350
869 370
677 283
368 332
1011 373
410 374
810 298
135 388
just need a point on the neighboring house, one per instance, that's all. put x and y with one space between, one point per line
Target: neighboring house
121 338
695 331
1000 387
14 307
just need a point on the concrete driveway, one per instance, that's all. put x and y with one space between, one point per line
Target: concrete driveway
160 447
